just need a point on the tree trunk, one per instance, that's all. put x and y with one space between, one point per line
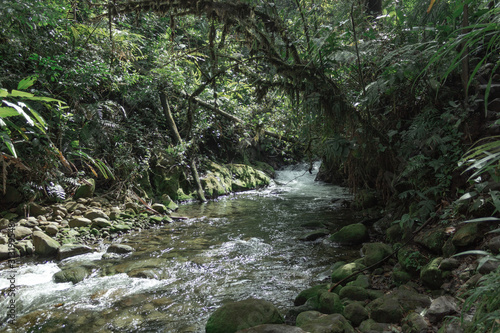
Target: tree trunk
178 140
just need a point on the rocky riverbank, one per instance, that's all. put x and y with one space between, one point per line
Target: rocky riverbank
415 287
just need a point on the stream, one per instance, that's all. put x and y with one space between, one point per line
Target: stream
239 246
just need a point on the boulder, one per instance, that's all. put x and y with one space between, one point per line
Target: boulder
333 323
167 201
414 323
44 244
344 271
351 234
73 274
467 235
160 208
25 247
120 249
354 293
94 214
355 313
488 266
85 190
362 281
441 307
71 250
432 275
273 328
21 232
433 240
4 252
494 245
79 222
313 235
449 264
314 291
235 316
411 260
391 307
375 252
51 230
371 326
36 210
100 222
329 303
121 227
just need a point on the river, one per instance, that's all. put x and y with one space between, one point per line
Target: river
239 246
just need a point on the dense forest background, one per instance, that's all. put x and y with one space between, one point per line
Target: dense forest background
400 99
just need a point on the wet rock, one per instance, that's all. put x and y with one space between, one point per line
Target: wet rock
432 275
311 236
333 323
375 252
72 274
160 208
21 232
71 250
144 274
414 323
441 307
120 249
121 227
494 245
355 313
273 328
79 222
467 235
344 271
94 214
44 244
329 303
351 234
310 292
160 219
167 201
100 222
354 293
235 316
85 190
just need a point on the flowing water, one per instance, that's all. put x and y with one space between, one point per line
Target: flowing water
237 247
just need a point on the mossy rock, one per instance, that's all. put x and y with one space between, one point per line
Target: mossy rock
355 313
333 323
235 316
466 235
74 275
375 252
85 190
432 275
411 260
433 240
351 234
344 271
314 291
330 303
354 293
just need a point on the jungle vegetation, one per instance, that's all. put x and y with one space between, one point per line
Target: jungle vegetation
397 97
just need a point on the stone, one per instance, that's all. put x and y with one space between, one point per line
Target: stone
432 240
329 303
71 250
12 195
355 313
362 281
314 291
235 316
120 249
494 245
394 234
411 260
488 266
312 236
273 328
449 264
121 227
85 190
160 208
167 201
4 252
94 214
100 222
306 317
354 293
414 323
51 230
390 307
79 222
25 247
375 252
333 323
400 277
21 232
3 239
4 223
371 326
36 210
441 307
467 235
345 270
44 244
432 275
73 275
351 234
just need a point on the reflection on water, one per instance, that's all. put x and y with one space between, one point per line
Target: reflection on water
237 247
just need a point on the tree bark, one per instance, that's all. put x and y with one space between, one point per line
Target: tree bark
178 140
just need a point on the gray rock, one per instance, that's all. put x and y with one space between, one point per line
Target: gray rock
3 239
120 248
449 264
273 328
489 266
494 245
4 252
21 232
25 247
36 210
44 244
79 222
30 222
334 323
71 250
100 223
73 274
86 190
391 307
414 323
4 224
441 307
51 230
94 214
235 316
